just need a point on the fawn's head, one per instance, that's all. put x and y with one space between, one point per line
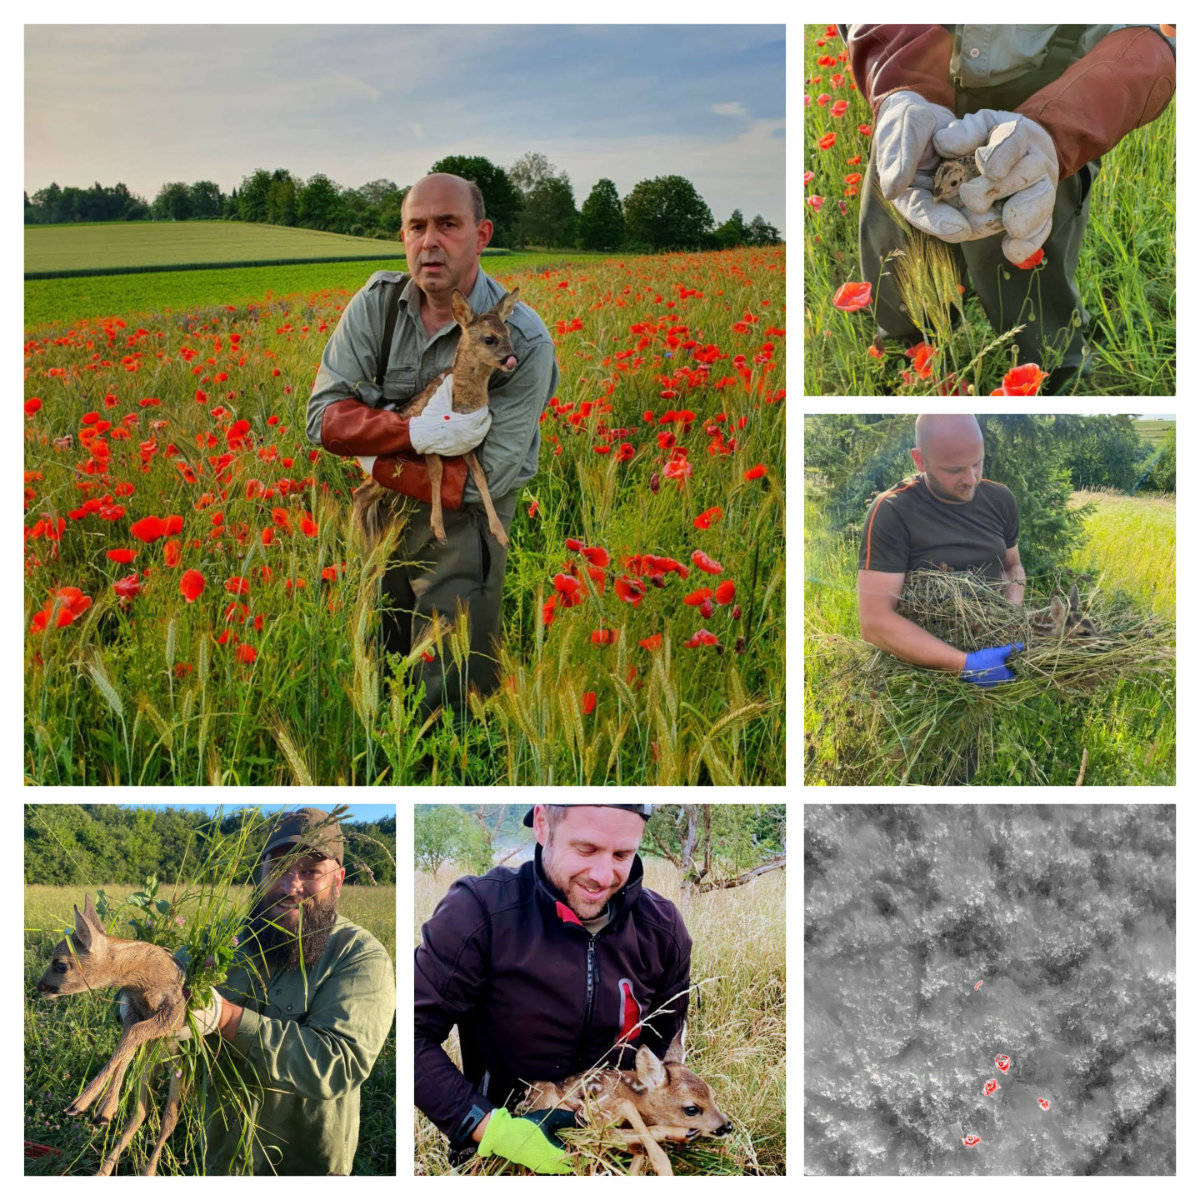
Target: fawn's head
667 1093
80 962
1064 619
485 339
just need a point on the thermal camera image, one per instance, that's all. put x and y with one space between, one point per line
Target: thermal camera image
989 989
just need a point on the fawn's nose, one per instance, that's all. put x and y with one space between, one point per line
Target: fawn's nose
724 1129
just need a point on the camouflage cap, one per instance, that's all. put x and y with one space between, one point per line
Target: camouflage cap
310 828
645 811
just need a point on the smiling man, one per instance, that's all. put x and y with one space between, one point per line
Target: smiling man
307 1005
947 516
546 971
353 411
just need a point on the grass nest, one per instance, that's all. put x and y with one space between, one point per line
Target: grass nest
887 721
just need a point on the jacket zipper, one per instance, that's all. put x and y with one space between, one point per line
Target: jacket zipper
591 980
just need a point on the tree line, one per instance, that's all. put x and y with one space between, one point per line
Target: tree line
89 844
530 204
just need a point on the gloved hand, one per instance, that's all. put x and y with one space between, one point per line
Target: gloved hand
1018 160
990 667
905 160
208 1019
440 430
521 1141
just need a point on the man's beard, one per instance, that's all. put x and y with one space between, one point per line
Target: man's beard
282 950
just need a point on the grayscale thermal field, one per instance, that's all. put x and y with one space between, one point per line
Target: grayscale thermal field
1063 915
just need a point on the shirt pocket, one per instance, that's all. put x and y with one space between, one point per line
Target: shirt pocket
399 385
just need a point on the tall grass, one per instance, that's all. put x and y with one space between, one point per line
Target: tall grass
1126 272
1126 727
737 1021
67 1040
666 439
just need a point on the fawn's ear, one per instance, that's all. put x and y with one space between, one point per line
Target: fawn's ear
650 1071
87 925
675 1051
506 304
1074 599
461 309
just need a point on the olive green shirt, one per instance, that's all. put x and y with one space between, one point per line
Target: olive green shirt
311 1042
509 453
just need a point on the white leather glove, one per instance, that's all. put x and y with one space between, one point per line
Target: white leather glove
208 1019
367 462
440 430
1018 161
905 160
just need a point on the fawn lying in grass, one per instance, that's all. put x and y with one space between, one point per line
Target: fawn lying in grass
156 1007
662 1101
1060 619
484 347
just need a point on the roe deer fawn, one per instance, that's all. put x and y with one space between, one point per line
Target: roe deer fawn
661 1100
485 346
156 1008
1061 619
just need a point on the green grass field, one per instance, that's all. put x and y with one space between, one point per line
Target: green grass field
736 1030
1154 431
53 305
90 247
1126 272
68 1040
1127 727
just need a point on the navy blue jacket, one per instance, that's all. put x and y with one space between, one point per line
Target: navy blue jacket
534 995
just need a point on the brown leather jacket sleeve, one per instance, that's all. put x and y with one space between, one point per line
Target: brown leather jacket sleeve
407 473
351 427
896 58
1125 81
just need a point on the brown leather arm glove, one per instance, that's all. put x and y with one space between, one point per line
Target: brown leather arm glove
352 427
1125 81
407 473
896 58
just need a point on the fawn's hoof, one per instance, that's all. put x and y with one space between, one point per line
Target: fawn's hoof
500 536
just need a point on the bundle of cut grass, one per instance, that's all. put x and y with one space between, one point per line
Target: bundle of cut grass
887 721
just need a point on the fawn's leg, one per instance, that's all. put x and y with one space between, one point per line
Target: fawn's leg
109 1165
434 463
656 1154
481 483
113 1073
170 1118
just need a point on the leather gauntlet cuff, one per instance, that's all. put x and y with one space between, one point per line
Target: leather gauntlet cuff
1125 81
410 475
898 58
350 427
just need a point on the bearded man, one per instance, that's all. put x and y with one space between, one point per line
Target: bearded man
307 1006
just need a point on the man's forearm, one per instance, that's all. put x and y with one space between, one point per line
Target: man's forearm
905 640
1014 588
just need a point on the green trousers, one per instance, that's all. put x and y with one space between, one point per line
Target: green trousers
426 577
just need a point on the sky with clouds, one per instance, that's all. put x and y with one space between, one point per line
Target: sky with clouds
149 104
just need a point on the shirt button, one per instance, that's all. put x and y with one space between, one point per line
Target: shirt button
289 1008
973 52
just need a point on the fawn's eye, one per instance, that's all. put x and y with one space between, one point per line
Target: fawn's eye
490 340
692 1110
60 968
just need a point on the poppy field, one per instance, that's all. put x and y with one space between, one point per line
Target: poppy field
1126 271
199 610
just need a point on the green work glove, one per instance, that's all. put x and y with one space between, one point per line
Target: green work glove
521 1141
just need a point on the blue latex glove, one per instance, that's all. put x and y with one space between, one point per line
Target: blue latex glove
990 667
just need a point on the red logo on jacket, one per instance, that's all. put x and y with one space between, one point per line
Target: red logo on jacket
631 1012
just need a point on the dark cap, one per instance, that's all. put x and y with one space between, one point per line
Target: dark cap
307 827
645 811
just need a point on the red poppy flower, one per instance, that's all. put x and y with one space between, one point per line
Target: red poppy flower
587 703
827 141
815 202
725 591
569 589
32 405
701 637
922 356
149 529
246 654
71 604
171 553
652 642
574 544
1033 260
603 637
839 108
308 526
707 518
850 297
756 472
121 554
237 585
709 566
128 586
698 597
191 584
1023 380
532 510
596 555
630 590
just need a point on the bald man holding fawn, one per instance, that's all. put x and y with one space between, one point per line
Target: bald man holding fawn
946 516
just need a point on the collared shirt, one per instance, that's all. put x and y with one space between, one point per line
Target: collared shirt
311 1038
509 453
988 55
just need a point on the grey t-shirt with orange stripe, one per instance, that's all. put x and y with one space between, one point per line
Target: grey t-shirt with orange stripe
908 528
